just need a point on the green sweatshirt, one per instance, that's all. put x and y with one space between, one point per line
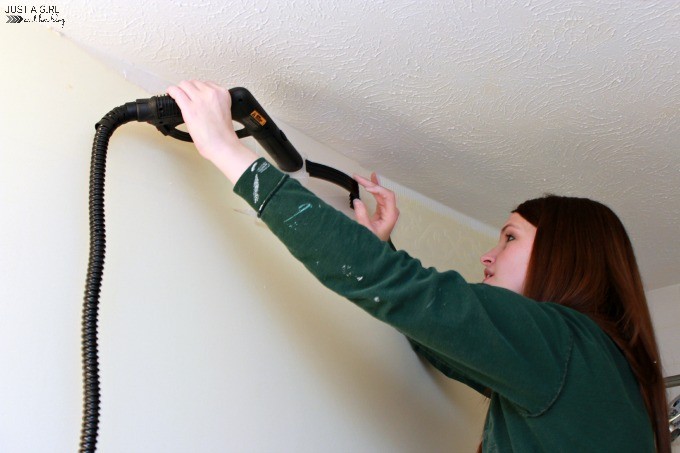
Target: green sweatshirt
557 381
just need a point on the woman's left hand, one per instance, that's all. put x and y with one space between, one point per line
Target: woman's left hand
382 222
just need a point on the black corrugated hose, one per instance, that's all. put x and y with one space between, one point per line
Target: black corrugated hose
162 112
95 268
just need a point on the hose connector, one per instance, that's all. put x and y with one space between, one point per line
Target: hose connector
160 111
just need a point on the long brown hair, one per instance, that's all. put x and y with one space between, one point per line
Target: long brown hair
583 258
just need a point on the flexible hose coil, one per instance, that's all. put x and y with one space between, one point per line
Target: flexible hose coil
95 268
163 113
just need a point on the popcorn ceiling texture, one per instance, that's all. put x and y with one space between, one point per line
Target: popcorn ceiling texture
477 104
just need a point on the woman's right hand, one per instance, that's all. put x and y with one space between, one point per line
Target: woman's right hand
382 222
206 109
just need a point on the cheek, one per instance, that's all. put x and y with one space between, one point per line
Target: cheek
516 269
523 261
523 265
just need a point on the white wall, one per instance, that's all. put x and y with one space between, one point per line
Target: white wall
212 338
664 304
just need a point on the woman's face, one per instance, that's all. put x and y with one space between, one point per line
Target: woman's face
506 264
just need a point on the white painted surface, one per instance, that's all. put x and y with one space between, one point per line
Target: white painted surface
664 305
212 338
477 104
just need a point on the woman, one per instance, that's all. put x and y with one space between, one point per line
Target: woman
577 371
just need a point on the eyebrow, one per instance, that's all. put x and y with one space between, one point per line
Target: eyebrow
509 225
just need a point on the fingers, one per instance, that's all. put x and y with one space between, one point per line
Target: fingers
206 110
190 88
194 89
361 213
195 96
386 198
179 95
384 219
362 217
367 184
183 93
370 184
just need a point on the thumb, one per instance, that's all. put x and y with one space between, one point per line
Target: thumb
361 213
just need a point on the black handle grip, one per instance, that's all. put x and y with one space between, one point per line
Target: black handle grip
164 113
257 123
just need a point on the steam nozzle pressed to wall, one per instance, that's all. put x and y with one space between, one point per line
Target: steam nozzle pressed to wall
164 113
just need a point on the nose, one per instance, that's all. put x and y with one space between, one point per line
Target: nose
489 257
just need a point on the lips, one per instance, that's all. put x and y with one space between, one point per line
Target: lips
487 274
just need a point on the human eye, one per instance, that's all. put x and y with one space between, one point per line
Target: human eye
509 237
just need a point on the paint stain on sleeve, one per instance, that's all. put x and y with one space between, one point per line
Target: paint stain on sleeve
347 270
256 189
302 208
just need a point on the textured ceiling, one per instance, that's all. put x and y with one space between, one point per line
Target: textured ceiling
475 104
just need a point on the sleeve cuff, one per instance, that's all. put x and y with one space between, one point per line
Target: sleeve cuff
258 183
